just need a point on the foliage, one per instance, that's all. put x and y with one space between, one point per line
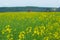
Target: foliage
30 26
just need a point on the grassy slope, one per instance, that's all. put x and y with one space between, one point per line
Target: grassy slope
30 26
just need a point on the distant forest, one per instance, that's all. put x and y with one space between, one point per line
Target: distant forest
33 9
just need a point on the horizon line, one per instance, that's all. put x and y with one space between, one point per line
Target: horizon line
29 6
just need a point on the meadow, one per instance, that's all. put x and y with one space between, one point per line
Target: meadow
30 26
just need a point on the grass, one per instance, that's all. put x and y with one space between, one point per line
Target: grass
30 26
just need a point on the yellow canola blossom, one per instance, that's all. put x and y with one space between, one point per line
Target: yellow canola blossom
7 26
11 39
9 35
21 35
42 29
3 31
19 39
49 27
56 24
29 29
46 38
56 35
36 31
8 29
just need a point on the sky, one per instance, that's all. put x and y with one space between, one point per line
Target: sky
39 3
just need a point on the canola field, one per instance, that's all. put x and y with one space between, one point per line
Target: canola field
30 26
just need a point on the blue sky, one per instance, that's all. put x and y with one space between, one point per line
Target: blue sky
39 3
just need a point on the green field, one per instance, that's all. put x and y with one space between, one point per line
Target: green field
30 26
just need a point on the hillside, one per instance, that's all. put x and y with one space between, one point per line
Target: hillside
28 8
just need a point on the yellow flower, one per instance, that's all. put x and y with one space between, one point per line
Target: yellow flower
3 31
42 29
9 35
21 35
50 27
36 30
19 39
46 38
56 35
11 39
8 30
7 26
29 29
22 32
38 33
56 24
